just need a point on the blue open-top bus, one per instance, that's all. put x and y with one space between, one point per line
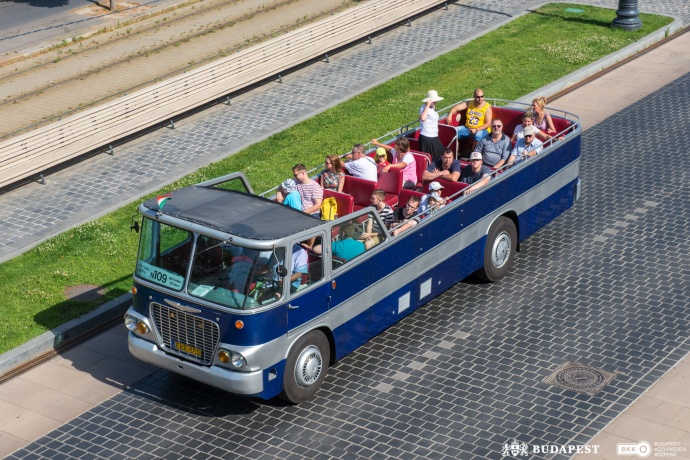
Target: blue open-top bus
219 298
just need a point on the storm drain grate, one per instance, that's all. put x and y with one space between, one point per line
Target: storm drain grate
580 378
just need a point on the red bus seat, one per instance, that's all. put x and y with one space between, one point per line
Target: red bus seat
391 183
421 160
345 202
361 190
510 118
405 195
449 187
449 137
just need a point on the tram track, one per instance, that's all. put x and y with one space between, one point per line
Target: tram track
226 26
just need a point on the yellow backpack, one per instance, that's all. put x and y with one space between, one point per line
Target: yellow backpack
329 209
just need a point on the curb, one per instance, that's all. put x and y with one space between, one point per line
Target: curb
54 339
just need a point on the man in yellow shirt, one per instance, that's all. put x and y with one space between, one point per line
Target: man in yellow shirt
477 118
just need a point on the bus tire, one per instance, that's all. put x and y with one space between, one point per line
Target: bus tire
306 367
499 251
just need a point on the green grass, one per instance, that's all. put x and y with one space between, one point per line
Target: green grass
507 63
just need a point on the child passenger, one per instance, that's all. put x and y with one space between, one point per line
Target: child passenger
381 160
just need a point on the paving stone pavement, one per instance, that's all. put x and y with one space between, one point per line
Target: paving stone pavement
33 213
607 284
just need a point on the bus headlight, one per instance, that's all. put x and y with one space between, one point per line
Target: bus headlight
134 325
233 358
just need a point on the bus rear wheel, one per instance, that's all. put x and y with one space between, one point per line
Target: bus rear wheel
499 252
306 367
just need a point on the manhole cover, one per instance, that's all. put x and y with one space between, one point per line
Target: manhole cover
84 292
580 378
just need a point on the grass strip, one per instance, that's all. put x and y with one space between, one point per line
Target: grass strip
507 63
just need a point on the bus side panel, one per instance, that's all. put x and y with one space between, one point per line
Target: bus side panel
351 335
451 271
273 386
302 308
547 210
393 308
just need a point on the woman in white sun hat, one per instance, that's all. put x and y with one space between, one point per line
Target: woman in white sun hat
428 136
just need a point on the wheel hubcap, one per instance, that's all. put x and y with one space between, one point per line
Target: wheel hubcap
309 366
501 250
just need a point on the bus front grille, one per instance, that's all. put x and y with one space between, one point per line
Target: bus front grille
185 335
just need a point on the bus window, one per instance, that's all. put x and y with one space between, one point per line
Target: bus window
374 233
306 267
348 240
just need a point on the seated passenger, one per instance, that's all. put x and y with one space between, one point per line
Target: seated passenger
309 190
361 166
347 247
300 262
542 119
238 272
434 187
402 159
288 194
495 149
381 159
475 173
374 232
436 202
477 118
528 120
332 177
446 167
406 217
526 147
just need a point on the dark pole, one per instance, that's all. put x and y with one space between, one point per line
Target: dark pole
627 15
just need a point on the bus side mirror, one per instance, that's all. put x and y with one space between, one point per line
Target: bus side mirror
281 270
135 224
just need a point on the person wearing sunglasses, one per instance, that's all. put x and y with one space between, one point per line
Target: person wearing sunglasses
495 149
478 117
332 177
526 147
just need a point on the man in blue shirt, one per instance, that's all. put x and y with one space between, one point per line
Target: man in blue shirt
446 167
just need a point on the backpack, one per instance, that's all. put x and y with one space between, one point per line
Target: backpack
329 209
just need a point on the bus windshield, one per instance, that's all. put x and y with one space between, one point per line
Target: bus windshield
234 276
164 253
221 272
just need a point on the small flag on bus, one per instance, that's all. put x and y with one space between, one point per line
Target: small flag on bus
162 199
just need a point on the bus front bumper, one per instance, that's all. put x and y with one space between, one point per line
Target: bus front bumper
241 383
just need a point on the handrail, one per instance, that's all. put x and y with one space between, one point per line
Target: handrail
29 154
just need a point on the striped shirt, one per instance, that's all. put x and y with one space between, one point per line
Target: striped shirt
310 193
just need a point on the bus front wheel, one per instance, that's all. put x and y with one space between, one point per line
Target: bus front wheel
499 252
306 367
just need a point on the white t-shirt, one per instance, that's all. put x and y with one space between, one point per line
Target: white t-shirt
430 125
519 131
364 168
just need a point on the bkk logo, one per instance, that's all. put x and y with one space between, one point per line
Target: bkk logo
643 449
521 449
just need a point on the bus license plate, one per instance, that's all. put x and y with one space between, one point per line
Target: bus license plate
187 349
